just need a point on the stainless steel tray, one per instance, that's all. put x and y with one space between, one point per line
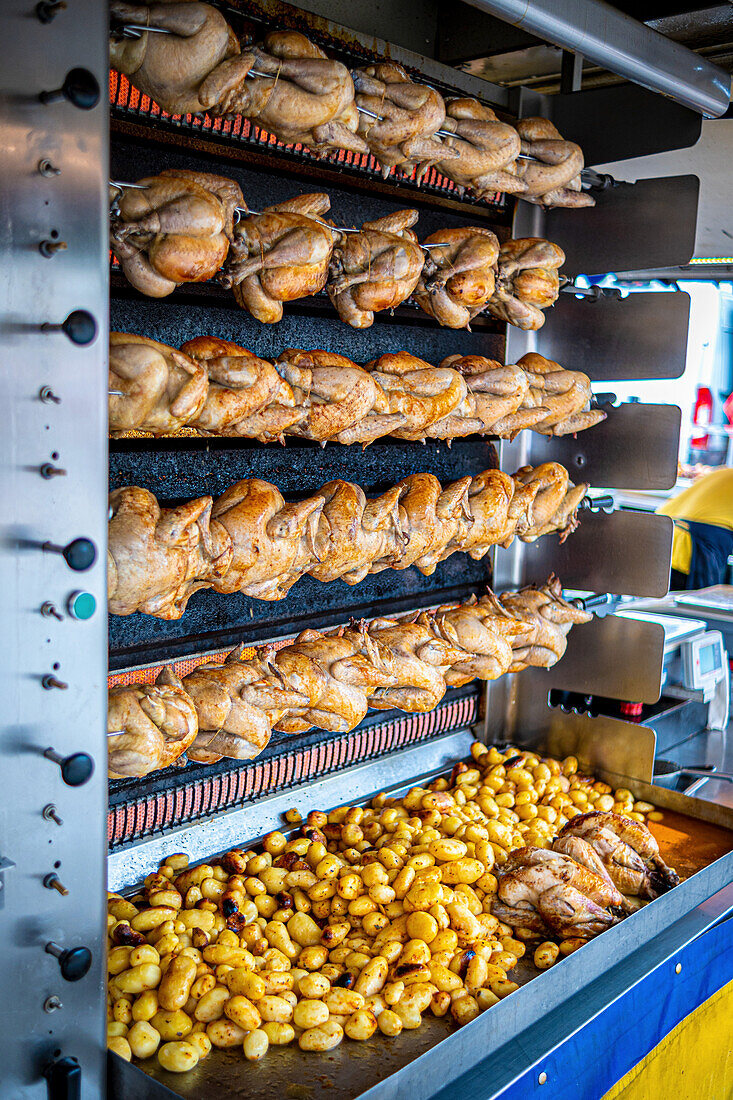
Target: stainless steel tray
696 837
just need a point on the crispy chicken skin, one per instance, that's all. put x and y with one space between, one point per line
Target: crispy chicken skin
215 387
487 150
375 269
547 891
158 724
459 277
627 850
552 178
527 281
250 540
280 255
176 229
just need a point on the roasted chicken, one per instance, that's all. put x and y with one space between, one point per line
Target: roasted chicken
152 386
280 255
565 394
527 281
487 150
552 178
289 87
547 619
549 893
150 726
175 229
157 559
458 278
398 119
171 68
324 680
626 848
215 387
375 269
250 540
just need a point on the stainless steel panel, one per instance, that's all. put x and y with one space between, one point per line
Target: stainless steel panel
622 45
517 711
621 552
650 223
642 336
636 447
71 435
614 656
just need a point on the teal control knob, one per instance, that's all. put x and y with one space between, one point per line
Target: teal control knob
81 605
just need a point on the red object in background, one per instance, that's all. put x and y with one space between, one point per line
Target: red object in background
702 416
631 710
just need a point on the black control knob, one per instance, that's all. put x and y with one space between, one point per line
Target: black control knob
76 769
63 1079
79 326
74 962
79 554
46 10
80 88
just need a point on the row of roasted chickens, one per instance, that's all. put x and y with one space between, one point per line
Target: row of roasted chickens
330 680
183 226
250 540
215 387
290 88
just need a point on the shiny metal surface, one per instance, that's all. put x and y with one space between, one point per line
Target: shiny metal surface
623 45
611 656
518 711
634 448
46 826
621 552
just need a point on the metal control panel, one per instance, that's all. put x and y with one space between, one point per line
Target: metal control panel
53 475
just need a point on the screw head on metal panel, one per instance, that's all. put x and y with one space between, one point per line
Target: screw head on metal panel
52 1003
79 326
80 88
81 605
49 813
47 169
542 1079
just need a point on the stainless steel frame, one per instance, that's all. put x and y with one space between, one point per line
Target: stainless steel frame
53 189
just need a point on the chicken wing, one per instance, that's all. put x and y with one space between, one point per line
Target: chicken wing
552 178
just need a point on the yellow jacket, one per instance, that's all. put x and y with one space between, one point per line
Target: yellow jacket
708 500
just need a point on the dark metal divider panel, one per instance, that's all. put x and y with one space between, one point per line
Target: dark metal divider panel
641 336
53 474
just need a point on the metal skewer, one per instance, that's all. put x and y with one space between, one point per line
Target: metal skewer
116 393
